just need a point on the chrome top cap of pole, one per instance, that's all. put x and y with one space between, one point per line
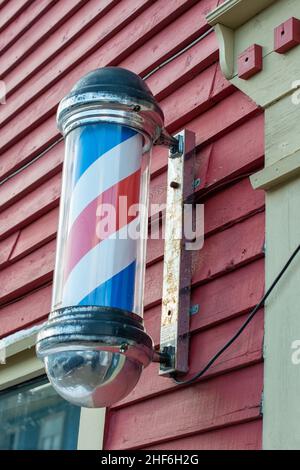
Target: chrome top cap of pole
112 94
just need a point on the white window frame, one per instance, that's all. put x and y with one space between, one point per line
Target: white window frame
21 364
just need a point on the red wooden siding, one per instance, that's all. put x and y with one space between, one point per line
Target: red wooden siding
45 46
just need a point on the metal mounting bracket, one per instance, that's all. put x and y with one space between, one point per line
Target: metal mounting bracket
175 316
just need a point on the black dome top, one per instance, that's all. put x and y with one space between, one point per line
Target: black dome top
113 94
114 80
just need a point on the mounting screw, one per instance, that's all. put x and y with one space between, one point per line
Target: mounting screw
196 183
176 147
174 184
136 108
123 348
194 309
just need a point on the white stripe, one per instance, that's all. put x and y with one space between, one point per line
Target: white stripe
100 264
112 167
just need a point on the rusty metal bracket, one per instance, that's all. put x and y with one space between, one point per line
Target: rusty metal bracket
175 316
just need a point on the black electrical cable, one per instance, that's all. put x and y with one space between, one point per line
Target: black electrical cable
241 329
178 54
37 157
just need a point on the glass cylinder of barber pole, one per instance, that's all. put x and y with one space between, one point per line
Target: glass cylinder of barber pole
94 345
100 250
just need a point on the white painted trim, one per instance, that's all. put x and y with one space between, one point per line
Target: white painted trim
226 19
225 38
234 13
20 368
19 341
278 173
91 429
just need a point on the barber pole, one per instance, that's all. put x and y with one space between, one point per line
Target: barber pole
94 345
101 256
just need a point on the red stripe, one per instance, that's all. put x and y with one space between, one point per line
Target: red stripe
84 234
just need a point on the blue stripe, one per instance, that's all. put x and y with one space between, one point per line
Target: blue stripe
91 141
116 292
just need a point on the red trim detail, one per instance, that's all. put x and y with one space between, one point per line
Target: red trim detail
250 62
